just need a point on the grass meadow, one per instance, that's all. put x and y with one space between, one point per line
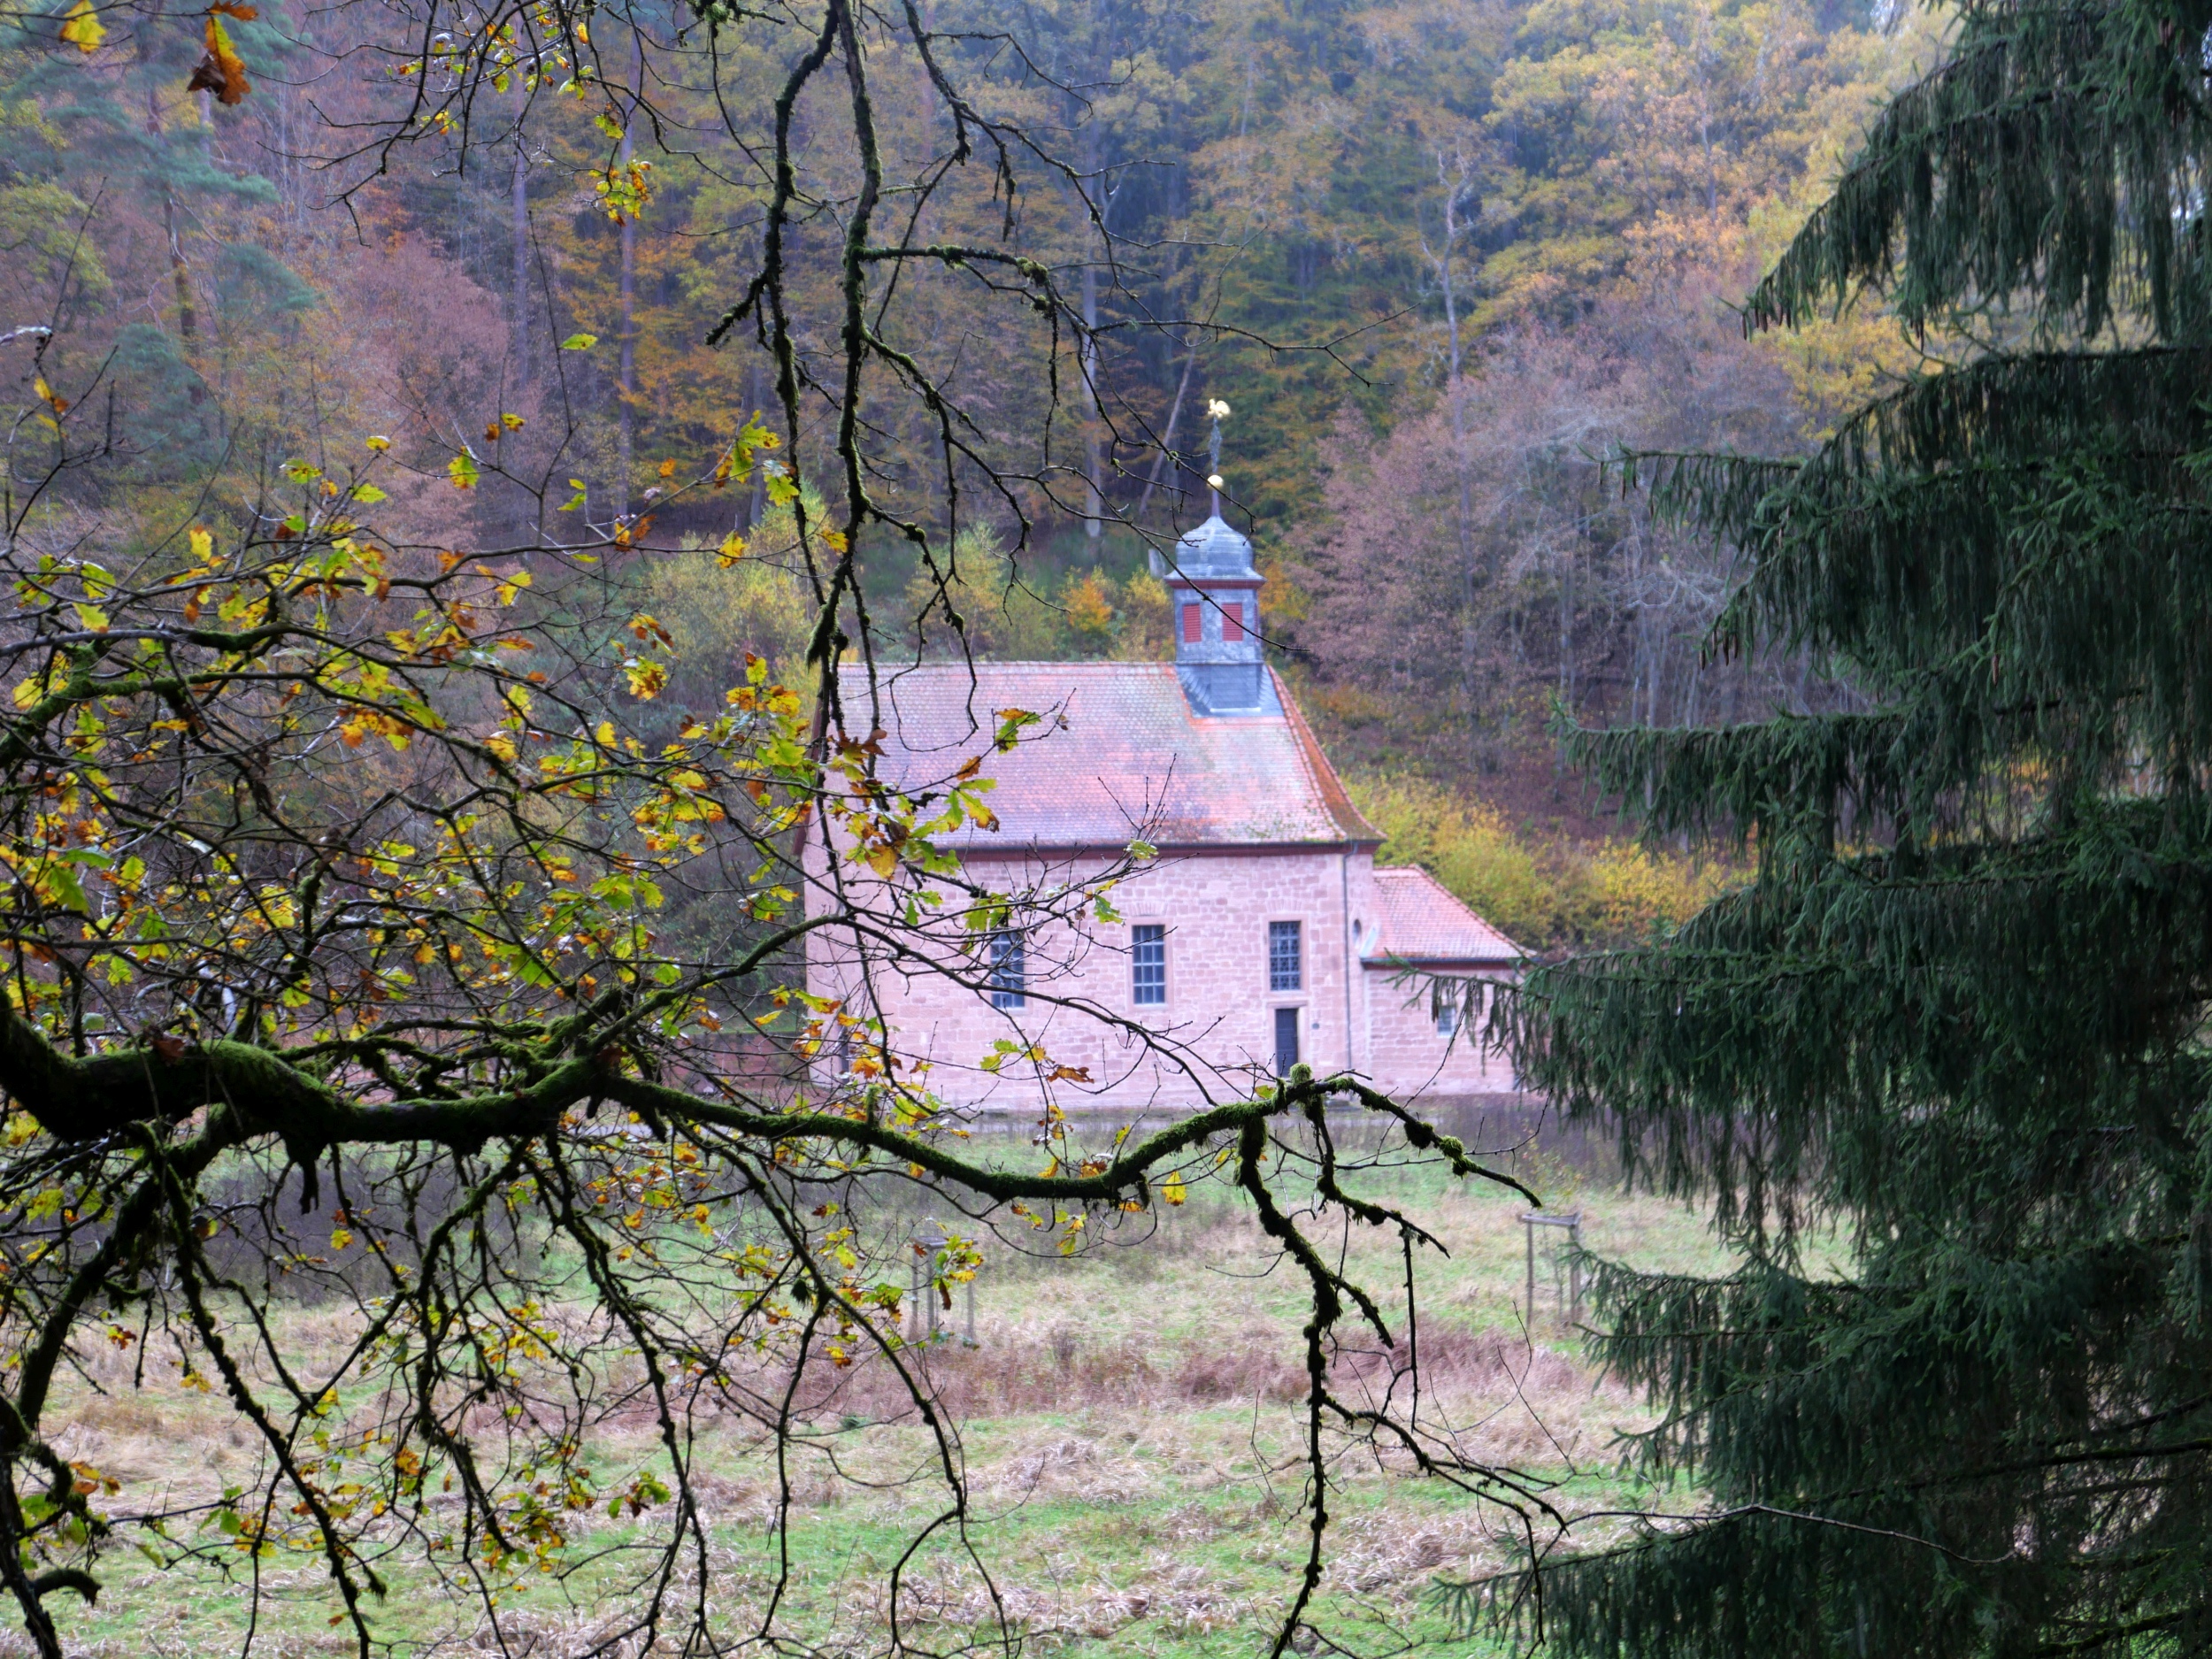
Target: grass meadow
1129 1420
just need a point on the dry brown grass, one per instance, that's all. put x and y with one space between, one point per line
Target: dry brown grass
1139 1410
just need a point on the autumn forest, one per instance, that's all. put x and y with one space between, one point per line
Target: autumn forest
1439 259
547 1114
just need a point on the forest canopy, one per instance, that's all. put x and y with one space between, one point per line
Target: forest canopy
1438 257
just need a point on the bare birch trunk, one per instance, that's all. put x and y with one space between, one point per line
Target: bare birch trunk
519 200
625 388
1470 576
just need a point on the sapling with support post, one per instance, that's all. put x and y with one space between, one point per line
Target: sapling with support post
1566 1263
929 1240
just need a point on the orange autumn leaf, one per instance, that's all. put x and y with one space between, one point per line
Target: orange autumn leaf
220 72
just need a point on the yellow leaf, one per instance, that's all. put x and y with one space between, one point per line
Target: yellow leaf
463 470
1172 1189
55 400
668 469
202 544
379 444
81 29
732 549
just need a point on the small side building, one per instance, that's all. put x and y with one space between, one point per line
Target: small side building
1260 935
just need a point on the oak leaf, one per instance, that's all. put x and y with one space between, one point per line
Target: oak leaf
220 72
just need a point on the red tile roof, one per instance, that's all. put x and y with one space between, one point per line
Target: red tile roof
1120 749
1423 922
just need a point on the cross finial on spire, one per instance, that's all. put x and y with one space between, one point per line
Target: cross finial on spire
1219 410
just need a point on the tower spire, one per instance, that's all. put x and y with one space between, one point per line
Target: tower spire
1214 587
1219 410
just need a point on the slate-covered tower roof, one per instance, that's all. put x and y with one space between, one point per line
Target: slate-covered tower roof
1123 751
1215 592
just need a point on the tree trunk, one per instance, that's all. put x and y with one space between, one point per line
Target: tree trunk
521 200
1093 459
1093 466
1470 576
1567 634
625 390
187 319
626 383
1167 437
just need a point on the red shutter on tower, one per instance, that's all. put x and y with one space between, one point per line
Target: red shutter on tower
1194 625
1232 624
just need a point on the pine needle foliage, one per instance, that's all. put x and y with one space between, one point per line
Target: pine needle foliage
1959 1015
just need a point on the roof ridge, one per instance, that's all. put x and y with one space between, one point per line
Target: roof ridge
986 663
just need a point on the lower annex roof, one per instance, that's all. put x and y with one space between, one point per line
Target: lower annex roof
1423 921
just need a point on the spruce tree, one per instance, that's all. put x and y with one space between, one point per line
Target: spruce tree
1941 1065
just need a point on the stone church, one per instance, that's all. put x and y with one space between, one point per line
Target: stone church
1261 935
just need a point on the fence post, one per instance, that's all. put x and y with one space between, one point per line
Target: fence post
1574 1271
1528 1232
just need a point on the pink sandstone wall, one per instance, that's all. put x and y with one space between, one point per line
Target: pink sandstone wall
1411 1058
1216 906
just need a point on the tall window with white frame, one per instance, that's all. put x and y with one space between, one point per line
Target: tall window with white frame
1286 971
1285 956
1010 969
1147 963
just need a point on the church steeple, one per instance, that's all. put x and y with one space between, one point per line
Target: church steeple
1215 591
